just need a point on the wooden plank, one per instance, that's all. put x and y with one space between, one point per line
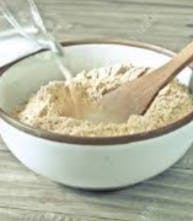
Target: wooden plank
13 214
187 161
164 23
167 196
129 206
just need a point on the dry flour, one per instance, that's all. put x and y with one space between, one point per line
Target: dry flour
51 108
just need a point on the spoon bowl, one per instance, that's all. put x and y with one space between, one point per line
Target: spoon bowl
134 97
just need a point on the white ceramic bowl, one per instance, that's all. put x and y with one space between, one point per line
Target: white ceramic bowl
90 163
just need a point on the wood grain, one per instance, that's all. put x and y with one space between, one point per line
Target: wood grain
165 23
13 214
25 196
167 196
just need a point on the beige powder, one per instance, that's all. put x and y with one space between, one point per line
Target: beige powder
51 108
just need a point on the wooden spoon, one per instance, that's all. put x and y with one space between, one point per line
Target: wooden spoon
134 97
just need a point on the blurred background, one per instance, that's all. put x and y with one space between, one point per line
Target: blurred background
166 23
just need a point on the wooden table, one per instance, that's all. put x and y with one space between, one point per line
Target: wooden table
25 196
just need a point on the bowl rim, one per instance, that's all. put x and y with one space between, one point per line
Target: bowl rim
98 140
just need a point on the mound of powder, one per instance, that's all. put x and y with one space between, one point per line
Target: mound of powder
52 109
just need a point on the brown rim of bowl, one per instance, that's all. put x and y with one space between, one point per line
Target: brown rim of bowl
102 140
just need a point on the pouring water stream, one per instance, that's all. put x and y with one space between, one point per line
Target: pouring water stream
48 41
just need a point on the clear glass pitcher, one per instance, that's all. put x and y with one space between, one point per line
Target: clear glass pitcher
24 31
19 35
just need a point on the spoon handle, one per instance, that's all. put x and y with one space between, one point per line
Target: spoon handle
168 71
134 97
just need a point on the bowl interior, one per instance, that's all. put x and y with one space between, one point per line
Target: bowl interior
25 78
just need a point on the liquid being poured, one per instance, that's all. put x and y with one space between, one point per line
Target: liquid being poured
46 39
58 55
52 44
56 49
